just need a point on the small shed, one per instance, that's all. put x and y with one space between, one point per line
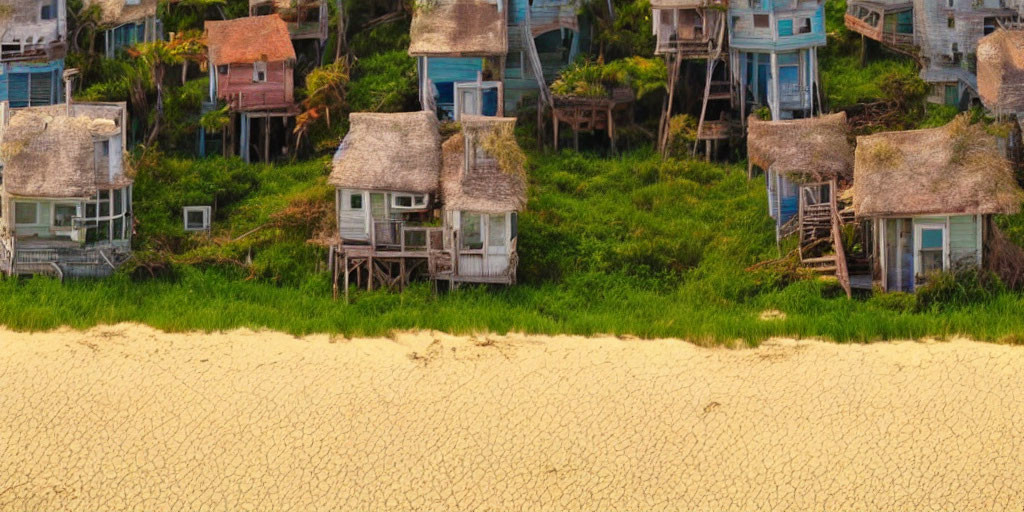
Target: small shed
386 174
65 201
252 65
460 47
482 193
928 196
127 23
1001 71
688 27
806 163
306 19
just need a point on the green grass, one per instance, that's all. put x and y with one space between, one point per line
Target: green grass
631 246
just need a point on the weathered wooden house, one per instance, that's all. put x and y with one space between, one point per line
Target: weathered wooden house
930 210
386 175
33 41
1001 72
483 56
251 64
696 30
808 163
890 22
481 196
126 23
66 195
306 19
774 55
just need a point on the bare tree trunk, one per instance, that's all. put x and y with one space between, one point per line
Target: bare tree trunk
342 46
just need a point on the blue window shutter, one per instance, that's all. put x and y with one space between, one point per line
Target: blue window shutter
785 28
41 88
18 89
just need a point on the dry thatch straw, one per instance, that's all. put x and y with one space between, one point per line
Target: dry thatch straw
118 12
458 28
957 168
488 188
805 150
250 39
48 154
1001 70
397 152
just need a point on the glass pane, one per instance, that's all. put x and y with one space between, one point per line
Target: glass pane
118 202
378 210
470 231
496 230
62 214
24 213
931 239
355 201
195 220
931 260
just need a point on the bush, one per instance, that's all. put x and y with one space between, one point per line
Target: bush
955 289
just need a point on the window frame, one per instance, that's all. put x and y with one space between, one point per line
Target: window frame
259 67
919 228
412 201
35 219
53 215
206 212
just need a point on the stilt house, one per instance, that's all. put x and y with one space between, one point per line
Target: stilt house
251 69
127 23
460 48
482 195
33 41
66 197
774 55
306 19
807 164
890 22
930 210
1001 71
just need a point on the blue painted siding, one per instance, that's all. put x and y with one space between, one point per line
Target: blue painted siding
15 79
783 35
517 10
453 69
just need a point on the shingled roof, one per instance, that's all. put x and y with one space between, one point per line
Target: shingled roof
117 12
250 39
956 168
487 189
48 154
815 148
458 28
1001 70
396 152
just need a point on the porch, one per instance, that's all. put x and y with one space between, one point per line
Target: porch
60 258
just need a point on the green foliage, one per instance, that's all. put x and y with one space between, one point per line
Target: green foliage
958 288
590 79
682 133
628 34
846 83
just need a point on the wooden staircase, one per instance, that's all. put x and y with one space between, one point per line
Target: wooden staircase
820 224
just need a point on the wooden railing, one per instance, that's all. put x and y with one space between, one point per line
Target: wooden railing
395 235
842 272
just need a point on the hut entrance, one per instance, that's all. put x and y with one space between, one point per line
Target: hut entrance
899 254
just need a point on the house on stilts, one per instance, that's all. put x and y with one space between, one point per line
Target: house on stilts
696 30
33 42
125 23
404 211
251 65
808 164
773 52
66 196
930 210
307 20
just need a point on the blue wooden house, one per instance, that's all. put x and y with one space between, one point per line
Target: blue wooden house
126 23
33 40
773 51
481 57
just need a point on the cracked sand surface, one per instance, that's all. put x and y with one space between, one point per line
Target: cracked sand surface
126 417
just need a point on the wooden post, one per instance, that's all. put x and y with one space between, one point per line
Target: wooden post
554 125
346 278
266 138
369 274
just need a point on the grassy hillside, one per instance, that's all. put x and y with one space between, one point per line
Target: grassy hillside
632 246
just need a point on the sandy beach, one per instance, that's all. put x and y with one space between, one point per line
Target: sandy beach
129 418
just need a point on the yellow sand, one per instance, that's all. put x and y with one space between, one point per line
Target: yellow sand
126 417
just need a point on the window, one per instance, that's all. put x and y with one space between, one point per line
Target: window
803 26
48 12
931 248
408 201
496 230
259 71
105 148
761 21
471 231
131 2
63 215
197 218
355 201
26 213
949 3
951 22
989 25
222 69
785 28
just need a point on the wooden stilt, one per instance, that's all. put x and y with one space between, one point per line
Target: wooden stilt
345 282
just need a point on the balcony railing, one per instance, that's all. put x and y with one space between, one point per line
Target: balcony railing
396 235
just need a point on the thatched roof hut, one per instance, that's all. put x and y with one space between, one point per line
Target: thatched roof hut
119 12
48 154
458 28
396 152
493 188
957 168
250 39
1001 70
813 149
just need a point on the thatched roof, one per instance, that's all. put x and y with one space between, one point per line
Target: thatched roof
957 168
458 28
1001 70
812 149
488 188
397 152
48 154
250 39
117 12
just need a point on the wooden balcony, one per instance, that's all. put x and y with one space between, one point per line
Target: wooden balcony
21 52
